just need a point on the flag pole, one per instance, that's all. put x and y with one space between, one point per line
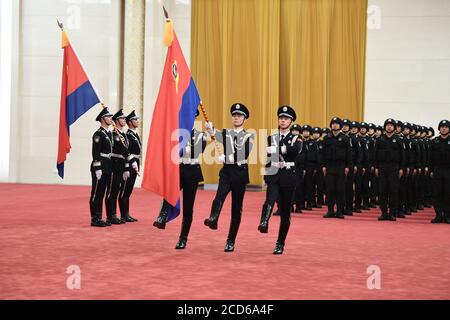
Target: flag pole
202 108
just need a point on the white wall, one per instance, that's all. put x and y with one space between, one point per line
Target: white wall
93 27
408 62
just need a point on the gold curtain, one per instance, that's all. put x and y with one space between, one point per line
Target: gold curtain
309 54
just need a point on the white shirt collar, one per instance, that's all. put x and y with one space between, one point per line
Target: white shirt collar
238 130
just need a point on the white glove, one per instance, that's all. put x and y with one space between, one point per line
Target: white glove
126 175
283 149
210 128
222 158
187 150
98 174
271 149
134 166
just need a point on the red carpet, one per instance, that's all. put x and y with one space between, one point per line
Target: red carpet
45 229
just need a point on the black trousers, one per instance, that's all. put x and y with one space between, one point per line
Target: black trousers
403 192
284 195
126 189
420 187
349 191
98 193
335 184
319 182
441 190
189 192
388 185
112 193
374 186
410 194
362 187
237 199
309 185
299 189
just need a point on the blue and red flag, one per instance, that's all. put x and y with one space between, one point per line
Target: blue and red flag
175 109
77 96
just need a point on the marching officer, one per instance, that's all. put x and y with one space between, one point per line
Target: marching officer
237 145
389 164
373 188
100 167
120 160
440 172
337 161
135 149
190 176
283 148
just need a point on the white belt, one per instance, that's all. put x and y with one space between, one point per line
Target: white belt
283 164
115 155
239 163
105 155
189 161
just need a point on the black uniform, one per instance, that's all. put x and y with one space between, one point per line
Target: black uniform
351 193
389 159
299 194
135 149
440 166
280 185
311 164
319 179
100 170
365 178
233 176
190 176
337 156
413 190
101 165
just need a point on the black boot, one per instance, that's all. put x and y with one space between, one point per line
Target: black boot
279 248
265 216
97 221
340 212
229 247
211 222
124 205
330 212
447 217
112 219
439 216
384 215
298 209
392 214
185 228
308 206
160 222
181 244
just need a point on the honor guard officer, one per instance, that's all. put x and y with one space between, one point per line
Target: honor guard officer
410 163
428 185
312 162
100 167
399 127
347 126
135 149
190 176
120 167
282 150
389 164
237 145
337 162
319 181
440 172
299 195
